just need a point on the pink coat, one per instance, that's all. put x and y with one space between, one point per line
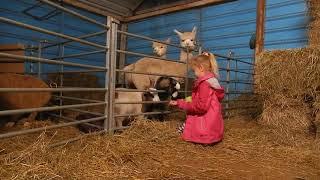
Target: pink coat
204 122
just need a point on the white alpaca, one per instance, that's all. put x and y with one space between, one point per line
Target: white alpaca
187 40
151 65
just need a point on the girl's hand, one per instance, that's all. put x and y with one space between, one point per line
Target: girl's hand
173 103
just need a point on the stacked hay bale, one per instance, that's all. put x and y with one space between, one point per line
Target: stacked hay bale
314 27
289 83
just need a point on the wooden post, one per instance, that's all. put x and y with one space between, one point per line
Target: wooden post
261 9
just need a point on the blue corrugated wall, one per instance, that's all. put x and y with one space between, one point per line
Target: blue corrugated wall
286 24
222 28
62 23
228 27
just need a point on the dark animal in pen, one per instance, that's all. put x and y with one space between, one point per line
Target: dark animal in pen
171 88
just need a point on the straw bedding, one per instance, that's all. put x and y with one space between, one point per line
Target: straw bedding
288 84
153 150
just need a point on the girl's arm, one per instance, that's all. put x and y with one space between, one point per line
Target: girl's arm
198 105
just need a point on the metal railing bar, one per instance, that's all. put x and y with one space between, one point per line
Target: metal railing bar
29 110
142 102
74 13
48 61
76 99
146 113
233 59
148 38
74 120
79 54
28 131
69 41
16 23
184 91
149 56
87 112
154 74
22 90
49 21
136 90
67 72
234 70
239 82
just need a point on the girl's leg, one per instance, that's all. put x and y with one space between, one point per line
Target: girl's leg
181 128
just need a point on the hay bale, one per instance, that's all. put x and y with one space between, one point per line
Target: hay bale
292 73
21 100
317 124
286 115
288 82
245 105
314 26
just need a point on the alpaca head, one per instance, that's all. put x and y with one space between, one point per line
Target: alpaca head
188 39
160 49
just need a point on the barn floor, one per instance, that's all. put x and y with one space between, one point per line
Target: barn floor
153 150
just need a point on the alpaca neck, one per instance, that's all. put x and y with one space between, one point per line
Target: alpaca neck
164 56
184 55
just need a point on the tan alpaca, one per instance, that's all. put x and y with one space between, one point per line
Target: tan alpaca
151 65
159 49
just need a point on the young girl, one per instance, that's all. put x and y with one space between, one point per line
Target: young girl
204 122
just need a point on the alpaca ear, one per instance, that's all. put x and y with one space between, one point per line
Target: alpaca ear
168 40
179 33
194 30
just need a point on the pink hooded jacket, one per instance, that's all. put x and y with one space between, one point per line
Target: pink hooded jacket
204 122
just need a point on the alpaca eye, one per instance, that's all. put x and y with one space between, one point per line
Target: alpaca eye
183 40
161 47
191 39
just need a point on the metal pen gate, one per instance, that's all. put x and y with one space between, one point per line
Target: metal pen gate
110 49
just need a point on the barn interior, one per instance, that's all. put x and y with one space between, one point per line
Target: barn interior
62 63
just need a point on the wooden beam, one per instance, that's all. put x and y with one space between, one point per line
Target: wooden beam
260 26
91 7
165 10
157 8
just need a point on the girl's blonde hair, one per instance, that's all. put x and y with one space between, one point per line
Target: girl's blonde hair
207 61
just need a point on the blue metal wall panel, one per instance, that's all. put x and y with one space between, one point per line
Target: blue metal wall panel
161 27
228 27
62 23
222 28
286 24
